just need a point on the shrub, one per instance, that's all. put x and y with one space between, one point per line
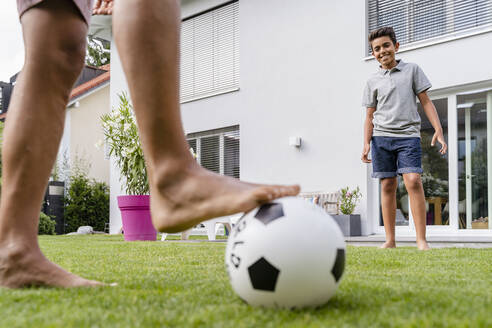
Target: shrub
86 203
121 135
349 199
46 225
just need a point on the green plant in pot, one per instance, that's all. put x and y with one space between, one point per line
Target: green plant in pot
122 139
349 223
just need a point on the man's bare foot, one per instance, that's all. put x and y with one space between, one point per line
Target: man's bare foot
23 267
422 245
182 200
388 244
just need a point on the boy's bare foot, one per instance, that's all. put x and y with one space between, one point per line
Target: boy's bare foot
23 267
388 244
422 245
185 198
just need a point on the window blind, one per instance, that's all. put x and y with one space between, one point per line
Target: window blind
217 150
417 20
210 53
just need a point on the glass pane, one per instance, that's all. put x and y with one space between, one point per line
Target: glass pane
470 13
435 178
395 14
231 154
209 153
192 145
429 19
472 161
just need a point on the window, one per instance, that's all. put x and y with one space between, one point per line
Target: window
1 97
209 53
417 20
217 150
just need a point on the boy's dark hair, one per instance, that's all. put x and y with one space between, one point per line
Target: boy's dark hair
382 31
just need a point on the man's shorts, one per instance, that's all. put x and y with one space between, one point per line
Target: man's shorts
392 156
85 7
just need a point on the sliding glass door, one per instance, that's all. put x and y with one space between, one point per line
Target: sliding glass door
474 169
456 185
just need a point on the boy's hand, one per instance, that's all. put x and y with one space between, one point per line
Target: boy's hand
365 152
440 138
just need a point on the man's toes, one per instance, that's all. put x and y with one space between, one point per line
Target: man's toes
264 194
284 191
269 193
94 283
293 190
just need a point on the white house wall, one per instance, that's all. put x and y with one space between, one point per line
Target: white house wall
299 76
118 85
64 148
302 72
86 131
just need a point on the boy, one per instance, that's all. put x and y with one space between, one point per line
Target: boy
392 125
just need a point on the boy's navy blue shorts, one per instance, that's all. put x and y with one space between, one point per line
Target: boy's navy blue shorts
392 156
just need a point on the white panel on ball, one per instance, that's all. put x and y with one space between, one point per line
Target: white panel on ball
289 254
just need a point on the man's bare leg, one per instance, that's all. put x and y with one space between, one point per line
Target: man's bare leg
388 204
413 183
182 193
54 37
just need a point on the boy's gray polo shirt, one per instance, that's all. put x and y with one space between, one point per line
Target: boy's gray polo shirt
393 92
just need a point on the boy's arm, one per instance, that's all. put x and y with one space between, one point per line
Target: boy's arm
431 113
368 126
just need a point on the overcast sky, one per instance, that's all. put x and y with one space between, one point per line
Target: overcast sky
12 52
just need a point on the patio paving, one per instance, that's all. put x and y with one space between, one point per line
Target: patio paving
434 241
401 241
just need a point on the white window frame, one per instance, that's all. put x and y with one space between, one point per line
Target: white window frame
220 133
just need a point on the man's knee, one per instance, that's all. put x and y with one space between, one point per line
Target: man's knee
69 57
60 65
55 40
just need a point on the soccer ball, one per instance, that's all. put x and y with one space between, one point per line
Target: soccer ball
288 254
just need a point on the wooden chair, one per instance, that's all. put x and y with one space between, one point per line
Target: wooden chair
329 201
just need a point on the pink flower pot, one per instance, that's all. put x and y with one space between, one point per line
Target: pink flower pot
135 214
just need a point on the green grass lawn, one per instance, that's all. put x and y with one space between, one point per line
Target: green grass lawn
172 284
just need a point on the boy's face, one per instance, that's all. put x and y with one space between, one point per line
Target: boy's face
384 51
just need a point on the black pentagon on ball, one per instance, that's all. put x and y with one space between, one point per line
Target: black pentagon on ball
339 265
263 275
269 212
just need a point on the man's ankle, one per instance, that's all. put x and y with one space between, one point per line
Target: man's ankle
18 247
163 171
